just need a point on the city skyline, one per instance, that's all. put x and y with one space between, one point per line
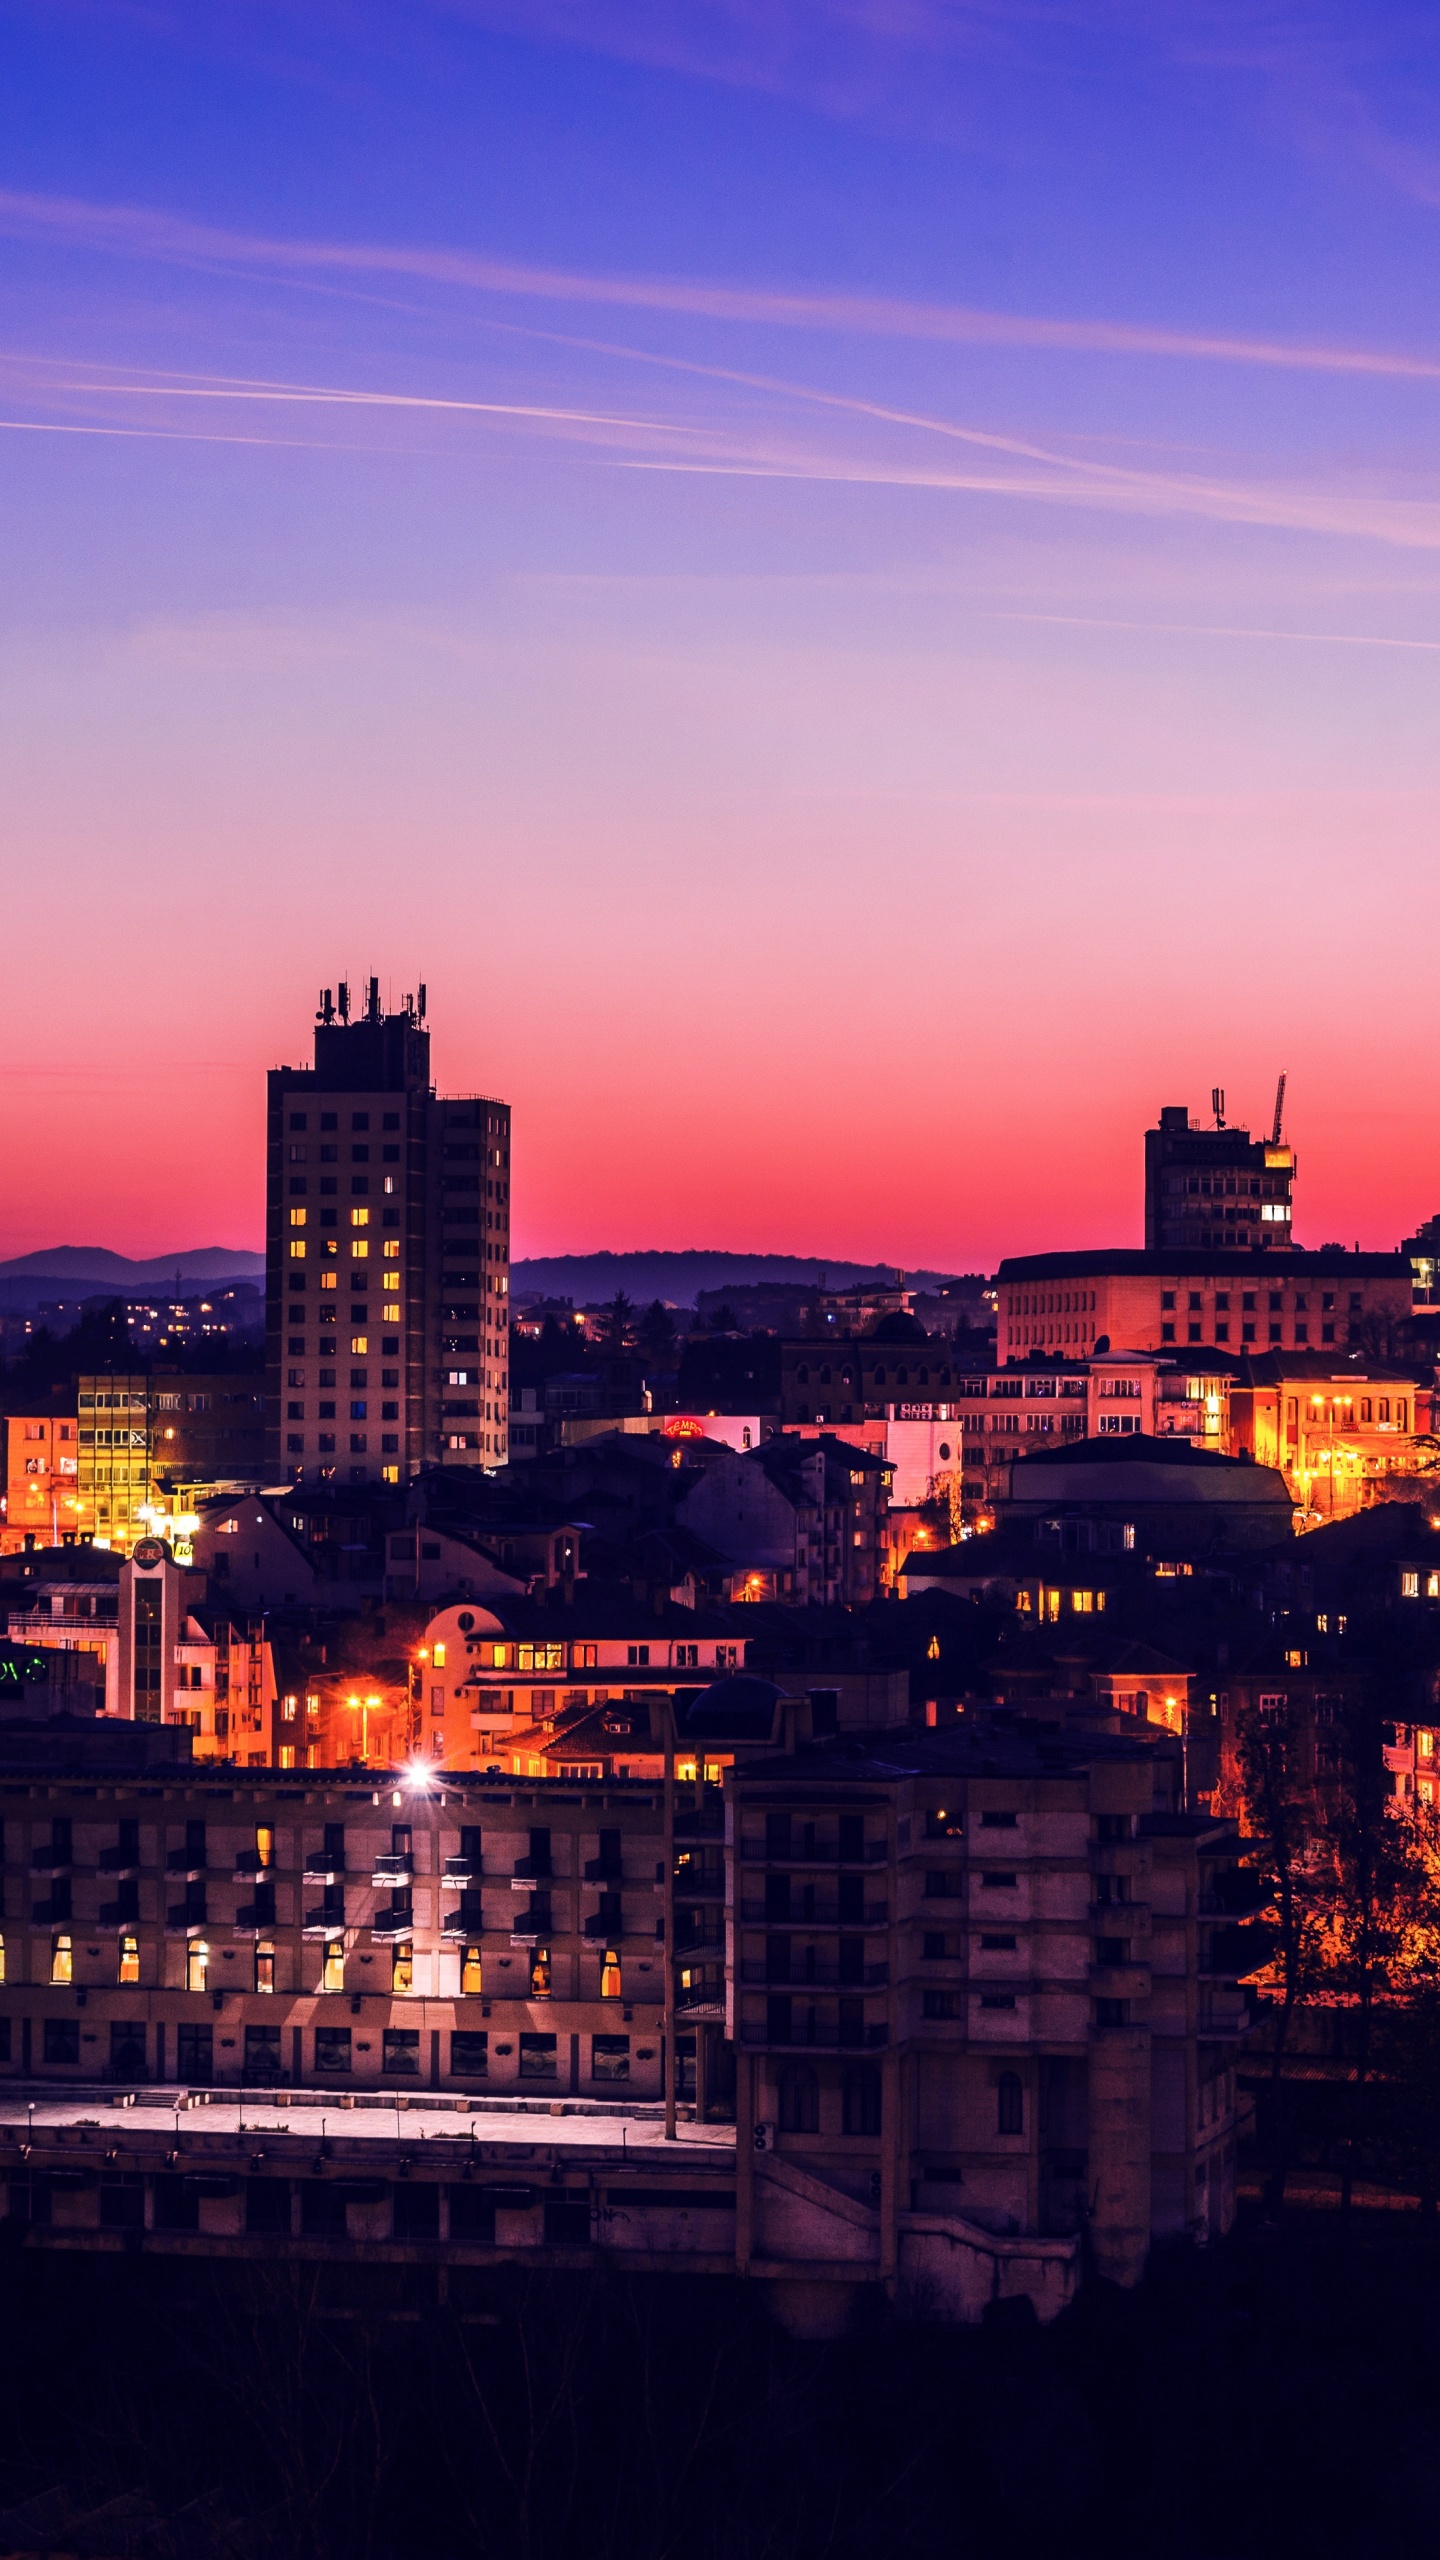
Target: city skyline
855 596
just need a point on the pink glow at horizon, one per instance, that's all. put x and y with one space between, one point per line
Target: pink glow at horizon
864 614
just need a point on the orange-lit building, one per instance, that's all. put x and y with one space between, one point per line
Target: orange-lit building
43 1501
1341 1440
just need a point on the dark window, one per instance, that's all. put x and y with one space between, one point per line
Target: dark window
567 2220
933 1947
62 2040
997 2000
472 2215
332 2048
267 2205
262 2055
194 2055
997 1821
470 2052
937 2004
999 1944
402 2050
122 2203
127 2049
1112 2013
417 2212
322 2210
537 2057
177 2205
609 2057
1009 2103
860 2098
799 2099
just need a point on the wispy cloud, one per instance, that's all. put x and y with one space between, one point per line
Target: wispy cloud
171 239
1009 467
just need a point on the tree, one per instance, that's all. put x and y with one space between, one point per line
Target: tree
656 1330
619 1323
1275 1812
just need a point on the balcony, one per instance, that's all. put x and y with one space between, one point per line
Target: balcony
253 1919
397 1922
692 1941
324 1924
821 1853
393 1873
183 1867
324 1870
124 1913
818 2036
603 1871
118 1862
460 1872
530 1926
528 1872
50 1862
824 1976
872 1915
249 1863
187 1919
606 1924
467 1923
53 1913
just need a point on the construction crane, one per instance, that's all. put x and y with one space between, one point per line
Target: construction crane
1279 1108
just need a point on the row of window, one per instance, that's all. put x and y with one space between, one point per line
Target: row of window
199 1963
325 1442
300 1120
1249 1300
1275 1332
325 1411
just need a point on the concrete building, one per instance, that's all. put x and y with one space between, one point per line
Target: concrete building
1210 1188
1072 1303
113 1479
1154 1497
43 1502
387 1259
800 1520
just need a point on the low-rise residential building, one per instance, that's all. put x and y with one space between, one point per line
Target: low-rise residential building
801 1520
1342 1437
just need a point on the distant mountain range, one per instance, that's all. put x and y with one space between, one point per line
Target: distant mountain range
590 1279
84 1270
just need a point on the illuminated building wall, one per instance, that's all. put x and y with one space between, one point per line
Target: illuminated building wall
387 1259
1070 1303
1339 1441
113 1479
42 1481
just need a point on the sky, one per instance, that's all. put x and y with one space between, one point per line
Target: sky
852 583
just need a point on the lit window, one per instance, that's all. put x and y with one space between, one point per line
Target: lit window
359 1217
62 1965
128 1969
289 1708
390 1280
471 1971
1425 1745
197 1965
264 1965
264 1836
2 1959
392 1248
438 1657
297 1248
359 1342
297 1217
402 1970
539 1974
359 1249
610 1975
286 1756
333 1977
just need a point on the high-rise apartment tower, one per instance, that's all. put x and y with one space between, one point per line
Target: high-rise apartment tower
387 1250
1213 1188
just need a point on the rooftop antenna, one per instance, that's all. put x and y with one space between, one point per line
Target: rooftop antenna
421 1003
372 1008
327 1004
1217 1104
344 1000
1279 1108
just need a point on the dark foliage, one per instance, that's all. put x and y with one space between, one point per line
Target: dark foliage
1272 2397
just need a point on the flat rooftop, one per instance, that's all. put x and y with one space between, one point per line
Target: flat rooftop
201 2122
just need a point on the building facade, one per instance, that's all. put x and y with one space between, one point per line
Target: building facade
1211 1188
387 1259
1072 1303
43 1502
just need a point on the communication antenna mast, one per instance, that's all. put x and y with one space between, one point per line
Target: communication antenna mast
344 1000
1279 1108
1217 1104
